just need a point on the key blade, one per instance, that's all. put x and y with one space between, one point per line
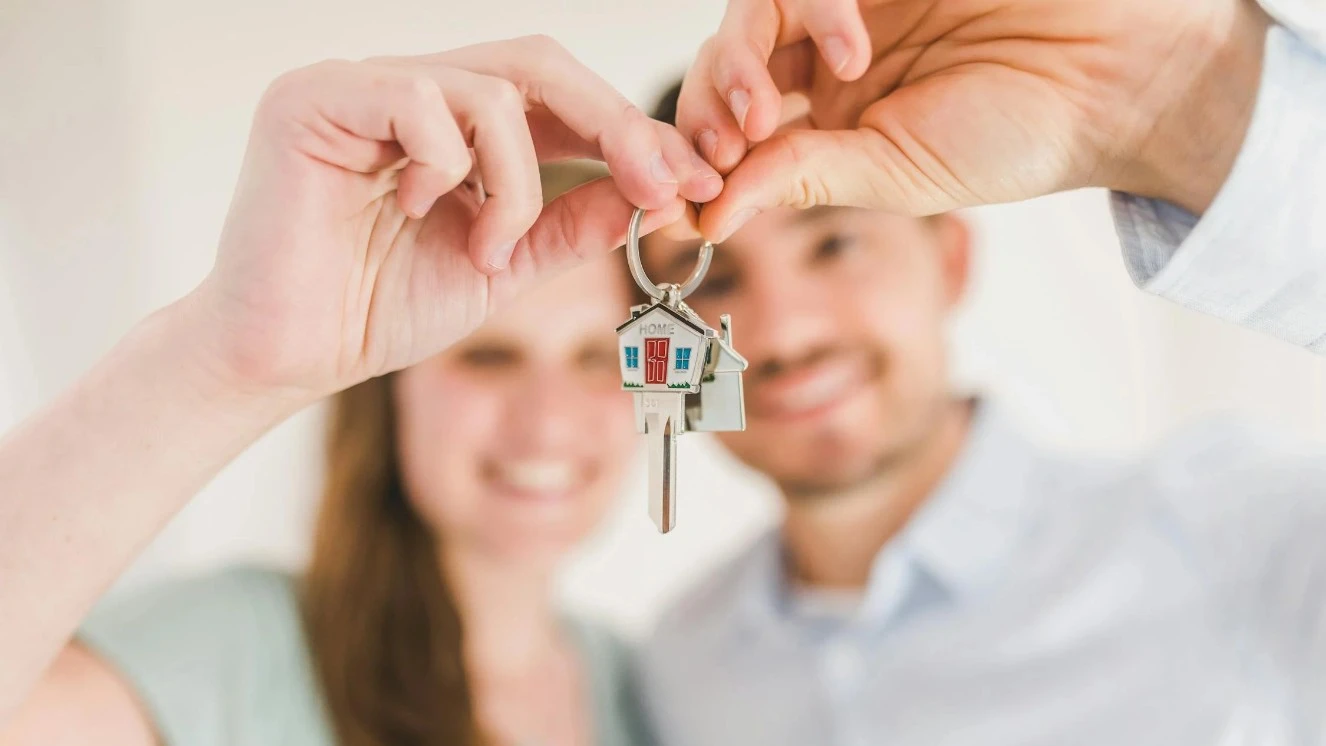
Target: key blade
665 414
662 472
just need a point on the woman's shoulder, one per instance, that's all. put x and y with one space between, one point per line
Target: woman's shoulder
609 664
223 652
598 643
224 605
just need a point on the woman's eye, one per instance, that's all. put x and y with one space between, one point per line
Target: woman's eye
833 246
488 357
599 359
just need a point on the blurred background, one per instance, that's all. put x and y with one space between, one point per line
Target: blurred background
122 124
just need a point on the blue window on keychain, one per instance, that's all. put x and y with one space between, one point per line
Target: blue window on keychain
683 358
633 358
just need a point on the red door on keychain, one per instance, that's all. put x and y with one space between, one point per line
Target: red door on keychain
656 360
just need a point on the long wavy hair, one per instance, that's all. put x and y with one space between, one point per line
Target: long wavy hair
383 627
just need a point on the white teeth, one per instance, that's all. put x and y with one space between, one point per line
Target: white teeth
544 475
822 389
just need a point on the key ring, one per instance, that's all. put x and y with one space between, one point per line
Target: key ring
660 292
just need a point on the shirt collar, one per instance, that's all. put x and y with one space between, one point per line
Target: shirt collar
967 529
960 537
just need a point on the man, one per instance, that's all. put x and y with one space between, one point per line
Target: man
937 579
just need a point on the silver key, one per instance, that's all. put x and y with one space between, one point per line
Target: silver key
683 373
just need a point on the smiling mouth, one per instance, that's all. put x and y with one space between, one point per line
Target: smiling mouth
542 478
812 390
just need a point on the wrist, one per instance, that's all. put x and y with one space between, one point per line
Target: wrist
1191 149
179 346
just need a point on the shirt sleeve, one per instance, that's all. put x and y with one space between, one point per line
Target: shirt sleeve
1257 257
211 659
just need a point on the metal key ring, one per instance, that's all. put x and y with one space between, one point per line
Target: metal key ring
657 292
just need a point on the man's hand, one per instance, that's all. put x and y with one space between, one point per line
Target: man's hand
386 207
922 106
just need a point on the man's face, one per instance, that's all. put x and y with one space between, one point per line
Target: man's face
841 313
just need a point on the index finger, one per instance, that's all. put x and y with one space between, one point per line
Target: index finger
550 77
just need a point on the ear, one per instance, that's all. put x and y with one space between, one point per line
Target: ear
954 237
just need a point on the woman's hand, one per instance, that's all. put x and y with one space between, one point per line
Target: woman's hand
383 210
922 106
386 207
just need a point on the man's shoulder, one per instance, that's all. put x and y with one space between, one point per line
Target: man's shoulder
703 614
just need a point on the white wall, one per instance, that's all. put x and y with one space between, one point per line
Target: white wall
121 129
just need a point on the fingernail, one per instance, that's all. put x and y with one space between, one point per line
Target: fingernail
702 167
420 208
739 219
836 53
739 100
500 257
658 168
707 142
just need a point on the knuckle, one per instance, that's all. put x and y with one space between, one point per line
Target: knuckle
418 91
807 188
290 95
630 116
295 85
544 46
566 224
504 94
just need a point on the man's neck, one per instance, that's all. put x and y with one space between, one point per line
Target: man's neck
831 541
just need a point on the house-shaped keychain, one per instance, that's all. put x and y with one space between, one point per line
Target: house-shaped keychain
671 351
683 374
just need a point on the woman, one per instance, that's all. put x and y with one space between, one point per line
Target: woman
384 209
425 616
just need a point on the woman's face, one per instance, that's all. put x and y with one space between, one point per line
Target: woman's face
514 441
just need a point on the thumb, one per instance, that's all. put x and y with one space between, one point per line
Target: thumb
806 167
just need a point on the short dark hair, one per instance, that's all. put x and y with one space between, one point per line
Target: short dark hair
665 110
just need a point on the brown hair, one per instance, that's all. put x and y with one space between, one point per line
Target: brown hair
383 628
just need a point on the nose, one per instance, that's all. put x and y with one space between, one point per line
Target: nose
546 410
786 316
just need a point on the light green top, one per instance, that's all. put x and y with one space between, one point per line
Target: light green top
222 661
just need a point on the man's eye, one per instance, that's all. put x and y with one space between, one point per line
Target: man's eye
488 357
716 287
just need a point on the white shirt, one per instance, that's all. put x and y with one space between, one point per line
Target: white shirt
1034 600
1257 257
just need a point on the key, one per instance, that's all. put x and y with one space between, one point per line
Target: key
684 374
664 422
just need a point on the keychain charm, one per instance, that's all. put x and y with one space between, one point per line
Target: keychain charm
683 373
